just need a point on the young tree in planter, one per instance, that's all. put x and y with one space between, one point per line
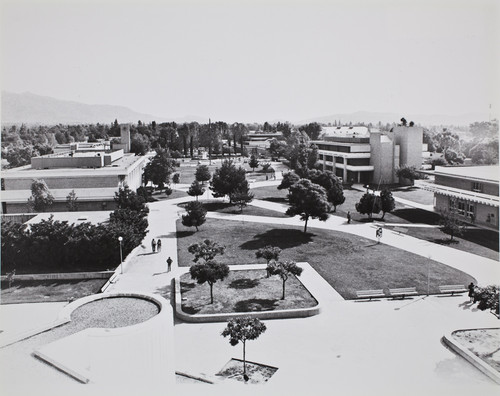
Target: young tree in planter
209 272
242 197
243 329
195 216
387 202
207 250
41 198
451 224
268 253
309 201
71 203
196 189
368 204
253 163
202 173
284 270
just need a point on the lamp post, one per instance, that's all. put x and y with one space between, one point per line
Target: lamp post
120 239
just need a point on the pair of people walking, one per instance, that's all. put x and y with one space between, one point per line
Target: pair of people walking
156 245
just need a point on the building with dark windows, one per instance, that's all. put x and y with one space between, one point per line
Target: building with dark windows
469 191
360 155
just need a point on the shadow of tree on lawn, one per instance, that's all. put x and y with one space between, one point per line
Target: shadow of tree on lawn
183 234
244 283
282 238
255 304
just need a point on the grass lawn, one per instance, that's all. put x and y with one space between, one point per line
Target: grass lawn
244 291
414 194
225 207
347 262
270 193
175 194
49 290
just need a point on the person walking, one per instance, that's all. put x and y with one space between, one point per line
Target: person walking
348 217
153 245
169 264
158 245
471 292
378 234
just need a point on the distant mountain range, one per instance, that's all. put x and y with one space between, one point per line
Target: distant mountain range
29 108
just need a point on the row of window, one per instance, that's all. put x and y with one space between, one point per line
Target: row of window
350 161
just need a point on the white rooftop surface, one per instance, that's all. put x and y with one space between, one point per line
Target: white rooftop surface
475 172
82 194
73 217
356 131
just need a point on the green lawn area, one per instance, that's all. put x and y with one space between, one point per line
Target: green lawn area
49 290
347 262
270 193
225 207
414 194
244 291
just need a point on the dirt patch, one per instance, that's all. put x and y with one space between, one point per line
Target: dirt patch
257 373
484 343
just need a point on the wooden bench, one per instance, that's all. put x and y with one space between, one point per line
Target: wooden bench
445 289
370 293
400 230
403 292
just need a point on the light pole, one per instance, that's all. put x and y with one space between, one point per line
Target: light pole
120 239
428 275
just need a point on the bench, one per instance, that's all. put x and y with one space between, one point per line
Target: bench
445 289
403 292
370 293
400 230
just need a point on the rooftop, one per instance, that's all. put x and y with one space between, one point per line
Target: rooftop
488 173
345 131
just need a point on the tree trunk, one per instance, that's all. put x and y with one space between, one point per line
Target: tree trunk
191 149
184 141
244 360
305 225
383 215
211 293
283 296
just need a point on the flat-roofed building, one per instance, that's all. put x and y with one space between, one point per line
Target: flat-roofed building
469 191
360 155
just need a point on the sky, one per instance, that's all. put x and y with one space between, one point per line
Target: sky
256 60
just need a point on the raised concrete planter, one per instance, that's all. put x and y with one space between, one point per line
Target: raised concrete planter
477 362
61 276
224 317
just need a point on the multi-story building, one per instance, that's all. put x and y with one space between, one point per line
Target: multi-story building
94 176
469 191
359 155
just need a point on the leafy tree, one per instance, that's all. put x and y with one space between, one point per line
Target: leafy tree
71 203
240 134
332 185
227 179
207 250
289 179
368 204
41 198
277 148
284 270
488 298
451 224
195 216
268 253
159 169
125 198
196 189
312 130
139 144
387 202
176 178
209 272
243 329
242 197
253 163
408 172
202 173
485 154
438 162
308 200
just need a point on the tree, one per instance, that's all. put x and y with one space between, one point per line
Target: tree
202 173
408 172
253 163
284 270
243 329
159 169
41 198
451 224
125 198
485 153
207 250
387 202
312 130
289 179
176 178
227 179
268 253
209 272
196 189
308 200
71 203
332 185
368 204
241 197
139 144
488 298
195 216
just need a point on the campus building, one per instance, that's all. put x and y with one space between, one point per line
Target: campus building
95 175
358 155
469 191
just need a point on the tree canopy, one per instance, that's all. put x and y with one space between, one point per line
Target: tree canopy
284 270
196 189
209 272
160 168
40 198
227 179
368 204
207 250
195 215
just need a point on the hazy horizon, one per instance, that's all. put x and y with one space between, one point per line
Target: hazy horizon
256 61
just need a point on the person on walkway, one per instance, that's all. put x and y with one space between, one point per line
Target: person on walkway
349 217
378 234
158 245
169 264
471 292
153 245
